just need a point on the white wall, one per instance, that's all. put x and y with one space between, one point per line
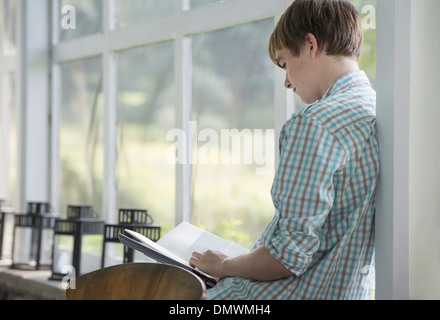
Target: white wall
424 178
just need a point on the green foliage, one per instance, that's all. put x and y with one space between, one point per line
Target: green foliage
230 230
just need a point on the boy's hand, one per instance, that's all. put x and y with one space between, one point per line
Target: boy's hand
211 262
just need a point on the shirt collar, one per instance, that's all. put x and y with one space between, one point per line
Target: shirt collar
346 81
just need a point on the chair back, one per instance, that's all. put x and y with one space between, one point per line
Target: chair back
138 281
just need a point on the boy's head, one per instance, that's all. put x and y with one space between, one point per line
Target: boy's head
336 25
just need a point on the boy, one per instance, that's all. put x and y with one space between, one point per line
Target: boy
320 241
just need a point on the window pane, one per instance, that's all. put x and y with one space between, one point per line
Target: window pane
80 18
233 89
63 254
9 26
146 112
91 250
199 3
368 11
81 134
134 11
8 141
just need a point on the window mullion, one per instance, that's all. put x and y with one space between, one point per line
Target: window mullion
109 205
55 112
183 76
109 195
183 91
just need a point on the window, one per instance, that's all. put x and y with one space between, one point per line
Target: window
83 16
131 73
185 65
233 110
81 134
145 114
9 116
9 27
368 11
189 65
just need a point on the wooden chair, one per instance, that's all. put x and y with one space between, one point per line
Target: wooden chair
138 281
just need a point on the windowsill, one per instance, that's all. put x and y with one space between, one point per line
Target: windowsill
28 285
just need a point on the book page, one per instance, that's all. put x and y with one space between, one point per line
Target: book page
156 246
184 239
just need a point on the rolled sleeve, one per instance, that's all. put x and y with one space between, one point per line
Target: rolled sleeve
303 192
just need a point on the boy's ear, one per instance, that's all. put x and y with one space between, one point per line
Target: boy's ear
311 44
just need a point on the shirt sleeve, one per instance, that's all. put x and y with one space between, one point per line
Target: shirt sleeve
302 192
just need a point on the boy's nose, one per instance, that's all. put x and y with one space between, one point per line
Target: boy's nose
287 83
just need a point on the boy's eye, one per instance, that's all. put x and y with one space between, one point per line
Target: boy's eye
283 66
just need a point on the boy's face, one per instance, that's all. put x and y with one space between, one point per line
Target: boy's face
299 73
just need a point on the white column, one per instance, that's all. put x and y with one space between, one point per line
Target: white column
33 83
407 219
393 80
110 91
424 151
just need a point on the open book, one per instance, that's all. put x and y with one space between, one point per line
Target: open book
177 246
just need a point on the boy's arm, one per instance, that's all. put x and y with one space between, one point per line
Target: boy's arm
257 265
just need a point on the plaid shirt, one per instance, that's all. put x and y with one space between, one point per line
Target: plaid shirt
323 193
